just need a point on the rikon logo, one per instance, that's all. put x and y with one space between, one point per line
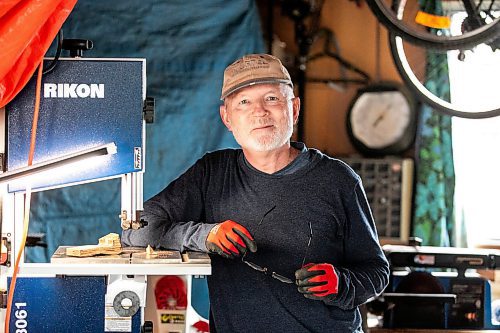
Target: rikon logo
73 90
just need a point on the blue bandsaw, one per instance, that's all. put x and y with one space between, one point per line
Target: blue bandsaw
91 127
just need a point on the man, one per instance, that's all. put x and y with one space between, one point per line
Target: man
289 231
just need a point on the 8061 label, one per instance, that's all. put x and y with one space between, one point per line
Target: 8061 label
21 316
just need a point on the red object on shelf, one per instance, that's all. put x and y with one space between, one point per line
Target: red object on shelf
171 293
201 326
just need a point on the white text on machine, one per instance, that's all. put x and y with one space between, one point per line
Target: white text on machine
73 90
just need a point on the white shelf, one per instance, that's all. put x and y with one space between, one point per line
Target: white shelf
44 269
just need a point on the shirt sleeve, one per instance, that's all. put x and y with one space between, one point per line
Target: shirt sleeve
365 270
175 215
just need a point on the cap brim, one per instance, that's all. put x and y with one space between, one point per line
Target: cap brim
253 82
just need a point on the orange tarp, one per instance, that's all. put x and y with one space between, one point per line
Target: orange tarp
27 28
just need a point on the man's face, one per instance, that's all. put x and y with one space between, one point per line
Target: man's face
261 117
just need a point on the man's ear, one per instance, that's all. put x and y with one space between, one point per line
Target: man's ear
296 109
224 116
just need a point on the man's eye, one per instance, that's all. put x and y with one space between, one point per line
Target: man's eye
243 101
272 98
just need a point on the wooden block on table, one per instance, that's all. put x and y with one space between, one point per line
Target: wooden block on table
91 250
109 244
158 257
60 257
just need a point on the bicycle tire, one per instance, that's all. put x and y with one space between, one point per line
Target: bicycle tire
425 95
392 21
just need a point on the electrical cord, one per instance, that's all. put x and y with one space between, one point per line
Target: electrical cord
27 204
53 63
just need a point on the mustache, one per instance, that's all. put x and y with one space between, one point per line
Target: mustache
262 122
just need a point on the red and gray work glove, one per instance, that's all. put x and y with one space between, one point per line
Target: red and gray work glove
230 240
318 281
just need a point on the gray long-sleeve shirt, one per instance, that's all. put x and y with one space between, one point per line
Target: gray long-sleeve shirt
321 190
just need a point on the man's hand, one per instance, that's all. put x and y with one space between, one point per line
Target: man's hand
318 281
230 239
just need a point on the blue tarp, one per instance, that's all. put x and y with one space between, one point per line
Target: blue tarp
187 45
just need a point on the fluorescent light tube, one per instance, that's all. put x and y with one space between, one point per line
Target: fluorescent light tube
108 149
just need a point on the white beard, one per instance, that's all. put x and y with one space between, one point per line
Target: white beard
268 141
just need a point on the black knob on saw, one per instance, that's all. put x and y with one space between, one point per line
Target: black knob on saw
77 46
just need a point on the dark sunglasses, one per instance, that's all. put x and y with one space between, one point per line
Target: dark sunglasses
268 271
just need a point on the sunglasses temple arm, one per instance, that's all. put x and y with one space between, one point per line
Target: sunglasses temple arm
281 278
308 244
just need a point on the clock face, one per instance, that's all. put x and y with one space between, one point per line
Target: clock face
382 119
379 119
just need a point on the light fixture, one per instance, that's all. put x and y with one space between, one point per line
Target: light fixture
107 149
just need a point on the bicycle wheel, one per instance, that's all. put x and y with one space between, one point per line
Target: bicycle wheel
412 20
454 82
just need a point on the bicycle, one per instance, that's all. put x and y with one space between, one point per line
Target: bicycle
417 28
406 19
419 65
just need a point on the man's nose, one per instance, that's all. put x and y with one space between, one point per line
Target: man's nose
259 107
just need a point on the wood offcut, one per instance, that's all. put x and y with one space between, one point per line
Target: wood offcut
109 244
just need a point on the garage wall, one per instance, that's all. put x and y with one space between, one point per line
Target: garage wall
355 28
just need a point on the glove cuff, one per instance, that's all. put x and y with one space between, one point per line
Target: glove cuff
207 229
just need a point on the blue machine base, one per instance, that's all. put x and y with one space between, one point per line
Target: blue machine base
61 304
